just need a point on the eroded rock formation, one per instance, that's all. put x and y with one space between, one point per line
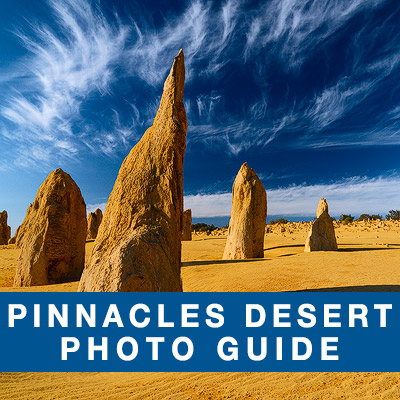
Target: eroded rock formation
249 213
322 233
93 223
5 230
138 246
187 225
53 234
13 240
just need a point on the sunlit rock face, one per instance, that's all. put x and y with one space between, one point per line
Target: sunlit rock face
322 233
53 235
248 217
138 246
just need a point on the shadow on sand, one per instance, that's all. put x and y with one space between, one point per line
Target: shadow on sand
352 249
363 288
207 238
211 262
343 249
284 246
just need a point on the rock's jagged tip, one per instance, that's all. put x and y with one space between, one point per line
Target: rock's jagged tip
178 65
246 171
322 207
172 96
179 58
177 73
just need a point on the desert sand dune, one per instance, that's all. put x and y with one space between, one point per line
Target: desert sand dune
182 386
368 260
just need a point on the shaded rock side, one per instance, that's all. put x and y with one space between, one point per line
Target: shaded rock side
5 230
248 217
93 223
53 234
13 240
138 246
187 225
322 233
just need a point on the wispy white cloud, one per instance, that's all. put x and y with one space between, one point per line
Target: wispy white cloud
235 136
331 104
252 35
109 142
78 58
348 92
206 106
86 52
258 110
202 30
154 49
62 70
293 28
355 195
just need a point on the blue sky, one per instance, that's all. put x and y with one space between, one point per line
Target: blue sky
307 92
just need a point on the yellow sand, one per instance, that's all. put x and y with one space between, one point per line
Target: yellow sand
368 260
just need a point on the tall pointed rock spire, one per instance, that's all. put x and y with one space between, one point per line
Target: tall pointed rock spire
138 246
